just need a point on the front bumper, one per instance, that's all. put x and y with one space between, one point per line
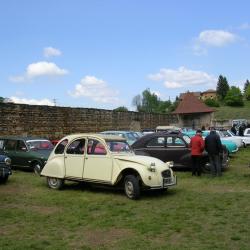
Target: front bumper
5 171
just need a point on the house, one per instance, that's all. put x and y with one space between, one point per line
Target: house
210 93
193 113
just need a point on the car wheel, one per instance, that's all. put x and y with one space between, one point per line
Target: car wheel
206 168
131 187
37 168
55 183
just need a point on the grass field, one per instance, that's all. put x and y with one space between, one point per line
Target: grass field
199 213
226 112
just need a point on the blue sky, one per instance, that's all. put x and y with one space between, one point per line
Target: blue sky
100 54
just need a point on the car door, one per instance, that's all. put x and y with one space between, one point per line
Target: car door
22 154
74 159
178 151
156 148
10 151
98 164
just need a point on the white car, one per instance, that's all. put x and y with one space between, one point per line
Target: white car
245 139
247 132
228 135
105 159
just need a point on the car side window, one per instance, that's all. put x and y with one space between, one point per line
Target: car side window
10 145
21 146
95 147
170 141
61 146
76 147
178 142
156 142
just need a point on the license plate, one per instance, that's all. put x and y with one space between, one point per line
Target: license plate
167 181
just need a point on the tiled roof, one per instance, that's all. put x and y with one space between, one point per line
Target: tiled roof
191 104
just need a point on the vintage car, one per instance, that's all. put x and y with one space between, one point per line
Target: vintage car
247 132
230 145
5 170
105 159
27 152
173 146
128 135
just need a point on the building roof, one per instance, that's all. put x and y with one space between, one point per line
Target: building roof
209 91
197 94
191 104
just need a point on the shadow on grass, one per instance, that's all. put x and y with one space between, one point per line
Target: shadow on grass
104 189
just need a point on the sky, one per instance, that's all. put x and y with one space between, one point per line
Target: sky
102 53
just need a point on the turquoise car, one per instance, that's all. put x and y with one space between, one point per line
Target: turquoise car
230 145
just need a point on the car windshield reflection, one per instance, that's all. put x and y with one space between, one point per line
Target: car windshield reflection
119 147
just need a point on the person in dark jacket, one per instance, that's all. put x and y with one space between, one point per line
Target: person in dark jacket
213 146
197 146
233 129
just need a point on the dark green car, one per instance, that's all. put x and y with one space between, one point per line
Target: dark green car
27 152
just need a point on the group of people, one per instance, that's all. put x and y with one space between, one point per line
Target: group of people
241 129
212 144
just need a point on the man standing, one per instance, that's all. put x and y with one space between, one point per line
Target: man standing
213 146
197 147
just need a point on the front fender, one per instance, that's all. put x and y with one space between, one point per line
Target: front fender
54 167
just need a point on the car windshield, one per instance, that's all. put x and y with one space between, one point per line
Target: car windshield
225 134
119 146
186 138
39 144
130 136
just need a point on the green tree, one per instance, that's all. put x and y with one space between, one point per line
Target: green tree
234 97
150 103
247 93
121 109
222 87
211 102
247 83
1 99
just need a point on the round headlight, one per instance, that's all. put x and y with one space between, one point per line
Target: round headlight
7 161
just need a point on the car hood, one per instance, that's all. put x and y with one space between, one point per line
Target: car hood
141 159
42 153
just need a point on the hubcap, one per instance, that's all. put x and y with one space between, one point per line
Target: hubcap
53 181
129 188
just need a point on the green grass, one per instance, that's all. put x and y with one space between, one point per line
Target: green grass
226 112
199 213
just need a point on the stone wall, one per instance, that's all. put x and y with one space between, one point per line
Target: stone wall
55 122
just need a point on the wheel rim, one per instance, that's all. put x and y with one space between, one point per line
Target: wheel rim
129 188
37 169
53 182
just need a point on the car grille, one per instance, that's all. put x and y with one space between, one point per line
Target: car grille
166 173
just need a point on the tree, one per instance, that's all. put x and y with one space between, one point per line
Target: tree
150 103
211 102
247 83
121 109
234 97
247 93
222 87
2 99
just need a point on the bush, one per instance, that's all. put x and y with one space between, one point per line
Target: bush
212 102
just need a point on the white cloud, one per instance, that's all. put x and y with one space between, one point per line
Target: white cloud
50 51
95 89
217 38
182 77
31 101
39 69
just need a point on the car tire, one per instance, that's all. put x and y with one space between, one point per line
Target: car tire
55 183
205 168
4 179
131 187
37 168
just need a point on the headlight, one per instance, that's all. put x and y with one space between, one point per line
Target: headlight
170 164
7 161
152 167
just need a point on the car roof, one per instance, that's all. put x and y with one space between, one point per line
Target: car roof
148 137
98 136
24 138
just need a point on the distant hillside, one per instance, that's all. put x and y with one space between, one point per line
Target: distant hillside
226 112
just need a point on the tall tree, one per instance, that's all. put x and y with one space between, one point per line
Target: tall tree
234 97
247 83
247 93
222 87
